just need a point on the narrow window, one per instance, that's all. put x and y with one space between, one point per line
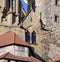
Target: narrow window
27 36
13 18
56 18
56 2
33 37
9 3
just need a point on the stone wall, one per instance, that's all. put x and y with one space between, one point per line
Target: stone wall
15 50
48 42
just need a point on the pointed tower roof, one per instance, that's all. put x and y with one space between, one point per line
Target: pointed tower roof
10 38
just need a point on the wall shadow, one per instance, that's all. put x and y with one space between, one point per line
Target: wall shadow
36 55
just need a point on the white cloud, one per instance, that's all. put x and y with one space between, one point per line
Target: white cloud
26 1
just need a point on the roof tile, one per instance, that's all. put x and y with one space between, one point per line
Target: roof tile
11 38
13 57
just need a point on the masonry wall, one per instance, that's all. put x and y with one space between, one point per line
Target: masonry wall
15 50
54 26
48 42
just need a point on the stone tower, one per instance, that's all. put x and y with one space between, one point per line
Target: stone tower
50 16
43 20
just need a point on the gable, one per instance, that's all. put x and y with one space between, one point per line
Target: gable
30 20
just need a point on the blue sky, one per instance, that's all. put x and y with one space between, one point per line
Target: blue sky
25 5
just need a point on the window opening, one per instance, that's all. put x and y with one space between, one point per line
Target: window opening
27 36
56 2
56 18
33 37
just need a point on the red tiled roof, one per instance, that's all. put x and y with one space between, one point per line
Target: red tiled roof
11 38
55 60
13 57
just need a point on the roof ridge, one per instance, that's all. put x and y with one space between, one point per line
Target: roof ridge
10 38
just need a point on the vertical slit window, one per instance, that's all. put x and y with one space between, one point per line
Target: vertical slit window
56 2
56 18
27 36
9 3
33 37
13 18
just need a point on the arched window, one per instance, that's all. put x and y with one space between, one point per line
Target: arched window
27 36
33 37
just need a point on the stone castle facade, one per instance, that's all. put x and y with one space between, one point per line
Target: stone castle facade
44 21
